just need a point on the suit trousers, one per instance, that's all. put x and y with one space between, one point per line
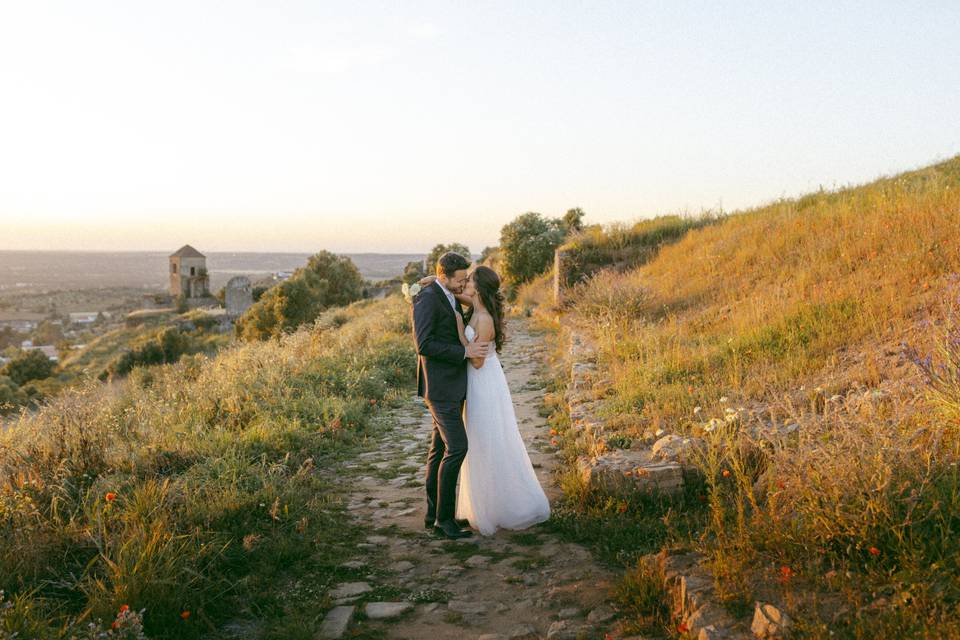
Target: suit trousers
448 448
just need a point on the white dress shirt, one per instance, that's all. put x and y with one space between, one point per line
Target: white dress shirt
453 301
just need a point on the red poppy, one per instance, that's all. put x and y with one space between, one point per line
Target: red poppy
785 574
110 497
115 624
184 615
373 401
554 442
726 473
553 432
124 608
622 507
874 551
682 627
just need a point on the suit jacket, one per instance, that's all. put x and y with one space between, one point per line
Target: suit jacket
441 366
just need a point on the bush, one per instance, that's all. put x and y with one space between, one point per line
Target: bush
164 347
527 245
11 396
326 281
29 365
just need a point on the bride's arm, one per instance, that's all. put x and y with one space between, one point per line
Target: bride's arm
485 333
426 281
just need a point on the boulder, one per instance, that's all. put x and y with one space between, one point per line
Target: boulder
769 621
674 448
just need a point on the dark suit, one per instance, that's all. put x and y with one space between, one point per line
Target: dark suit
442 382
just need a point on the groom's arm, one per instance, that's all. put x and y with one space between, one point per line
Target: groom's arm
424 313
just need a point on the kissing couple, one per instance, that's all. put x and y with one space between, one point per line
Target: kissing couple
462 382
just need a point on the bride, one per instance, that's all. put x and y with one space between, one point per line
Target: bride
498 486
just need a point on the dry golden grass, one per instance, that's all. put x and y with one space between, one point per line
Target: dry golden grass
796 312
778 295
194 486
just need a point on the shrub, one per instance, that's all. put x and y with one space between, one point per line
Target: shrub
29 365
327 280
527 245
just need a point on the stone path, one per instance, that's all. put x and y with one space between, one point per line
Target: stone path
514 585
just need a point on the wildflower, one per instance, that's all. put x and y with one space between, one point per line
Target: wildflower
628 473
724 399
553 442
184 615
785 574
683 627
115 624
726 473
553 432
697 410
124 608
110 497
713 424
622 507
373 401
659 432
874 551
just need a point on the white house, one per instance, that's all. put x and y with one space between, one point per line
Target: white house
83 317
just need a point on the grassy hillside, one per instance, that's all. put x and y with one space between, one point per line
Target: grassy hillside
795 313
191 489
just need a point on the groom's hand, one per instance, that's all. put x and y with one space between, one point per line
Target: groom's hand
477 350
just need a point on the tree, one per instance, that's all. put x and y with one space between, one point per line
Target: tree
441 249
29 365
489 254
527 245
328 280
572 221
413 272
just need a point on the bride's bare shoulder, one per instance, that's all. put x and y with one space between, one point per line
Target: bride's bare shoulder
485 328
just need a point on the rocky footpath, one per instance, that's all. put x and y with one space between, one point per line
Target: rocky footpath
513 585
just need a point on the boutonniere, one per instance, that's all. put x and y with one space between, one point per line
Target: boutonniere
410 291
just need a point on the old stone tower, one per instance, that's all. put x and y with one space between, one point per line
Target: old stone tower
188 273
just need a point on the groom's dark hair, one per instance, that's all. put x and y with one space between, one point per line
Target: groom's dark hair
450 262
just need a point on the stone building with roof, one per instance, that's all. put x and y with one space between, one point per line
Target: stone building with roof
188 274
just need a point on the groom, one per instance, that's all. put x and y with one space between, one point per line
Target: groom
442 382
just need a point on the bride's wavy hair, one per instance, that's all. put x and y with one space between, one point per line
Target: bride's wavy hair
487 283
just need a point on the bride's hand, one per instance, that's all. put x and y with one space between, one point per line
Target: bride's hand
427 280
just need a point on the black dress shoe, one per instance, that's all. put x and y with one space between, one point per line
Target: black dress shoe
460 522
450 530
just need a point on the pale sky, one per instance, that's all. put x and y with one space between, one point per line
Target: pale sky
391 126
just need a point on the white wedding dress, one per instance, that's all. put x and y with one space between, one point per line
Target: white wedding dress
498 486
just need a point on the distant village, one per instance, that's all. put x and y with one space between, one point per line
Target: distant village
188 288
